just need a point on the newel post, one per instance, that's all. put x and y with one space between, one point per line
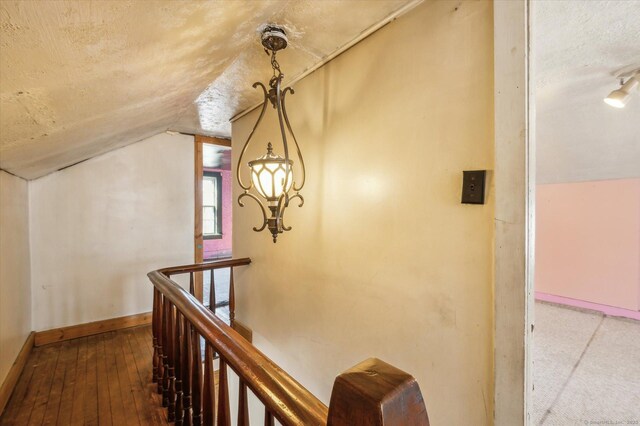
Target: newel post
374 393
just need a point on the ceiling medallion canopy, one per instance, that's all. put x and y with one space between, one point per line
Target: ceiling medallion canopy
272 176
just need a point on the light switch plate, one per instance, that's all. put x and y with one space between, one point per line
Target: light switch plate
473 186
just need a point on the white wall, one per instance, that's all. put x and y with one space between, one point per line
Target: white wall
15 290
383 260
98 227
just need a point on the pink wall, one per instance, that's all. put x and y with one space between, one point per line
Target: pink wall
214 249
588 243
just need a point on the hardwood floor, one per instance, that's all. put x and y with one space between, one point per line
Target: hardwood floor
103 379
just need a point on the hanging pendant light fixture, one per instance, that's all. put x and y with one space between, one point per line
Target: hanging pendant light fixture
272 176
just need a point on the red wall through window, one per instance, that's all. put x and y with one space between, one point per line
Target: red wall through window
221 247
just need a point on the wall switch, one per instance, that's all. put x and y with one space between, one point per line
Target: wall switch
473 186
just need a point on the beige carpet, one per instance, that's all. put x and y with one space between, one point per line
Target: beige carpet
586 368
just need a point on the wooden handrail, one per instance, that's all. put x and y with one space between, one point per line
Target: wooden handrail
373 393
285 398
204 266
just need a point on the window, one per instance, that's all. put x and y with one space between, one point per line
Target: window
212 205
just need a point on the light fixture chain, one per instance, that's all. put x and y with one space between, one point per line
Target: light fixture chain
277 73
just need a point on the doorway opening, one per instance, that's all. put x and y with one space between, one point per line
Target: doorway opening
213 219
216 202
586 346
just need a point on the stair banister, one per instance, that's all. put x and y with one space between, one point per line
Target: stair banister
371 393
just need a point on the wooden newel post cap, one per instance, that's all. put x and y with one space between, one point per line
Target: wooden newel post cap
374 393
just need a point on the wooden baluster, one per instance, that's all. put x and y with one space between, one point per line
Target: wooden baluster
224 414
212 293
154 339
268 418
178 368
165 352
196 379
208 391
159 331
232 298
198 284
192 288
243 404
160 342
171 413
186 372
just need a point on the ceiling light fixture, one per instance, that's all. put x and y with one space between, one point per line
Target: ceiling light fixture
273 176
619 97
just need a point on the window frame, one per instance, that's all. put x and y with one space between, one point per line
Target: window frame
217 176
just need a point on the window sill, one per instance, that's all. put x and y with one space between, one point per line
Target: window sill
212 237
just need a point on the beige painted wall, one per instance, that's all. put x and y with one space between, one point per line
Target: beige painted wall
383 260
100 226
15 289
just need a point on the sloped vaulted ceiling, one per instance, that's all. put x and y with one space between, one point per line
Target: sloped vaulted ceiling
79 78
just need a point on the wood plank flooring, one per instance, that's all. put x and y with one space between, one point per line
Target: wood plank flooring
98 380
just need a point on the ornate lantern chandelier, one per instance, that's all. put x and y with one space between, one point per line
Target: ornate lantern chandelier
273 176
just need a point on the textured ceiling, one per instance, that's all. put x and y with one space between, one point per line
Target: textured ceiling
580 46
79 78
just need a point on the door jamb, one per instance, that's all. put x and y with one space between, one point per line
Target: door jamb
514 211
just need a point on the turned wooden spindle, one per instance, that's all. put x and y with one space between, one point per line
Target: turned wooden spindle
159 328
268 417
178 369
165 352
224 414
154 338
192 288
171 412
196 379
212 293
208 388
186 372
243 404
374 393
232 298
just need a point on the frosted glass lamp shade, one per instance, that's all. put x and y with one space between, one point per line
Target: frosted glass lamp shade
268 175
